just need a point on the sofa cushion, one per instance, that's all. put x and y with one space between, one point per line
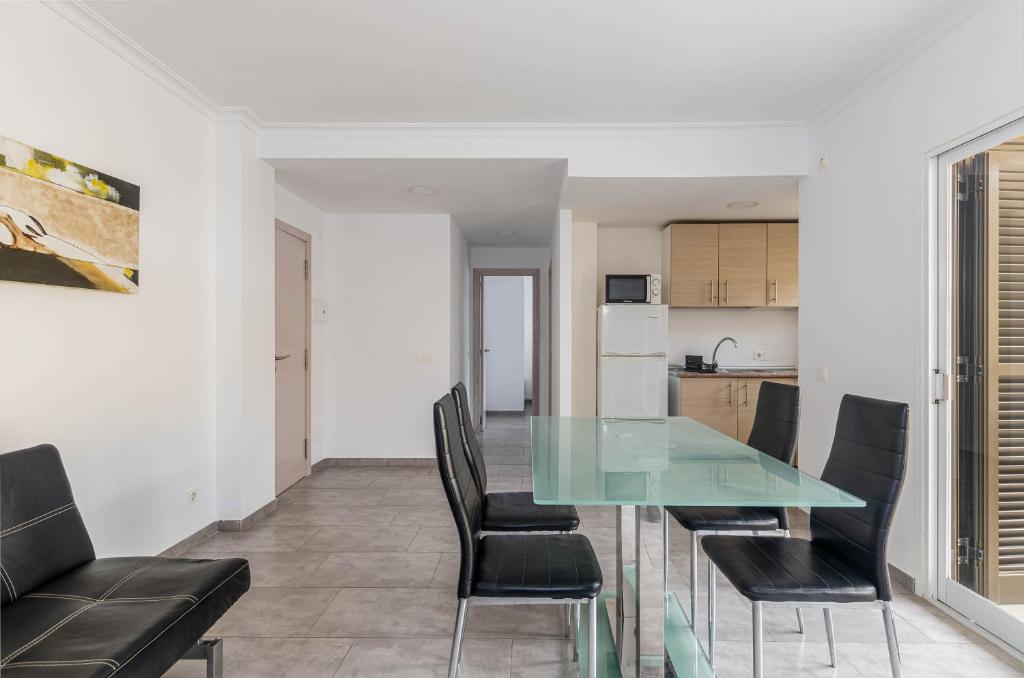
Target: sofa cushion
119 616
41 532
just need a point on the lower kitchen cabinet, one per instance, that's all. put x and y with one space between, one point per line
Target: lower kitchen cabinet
725 404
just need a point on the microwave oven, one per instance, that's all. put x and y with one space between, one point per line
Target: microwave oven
632 289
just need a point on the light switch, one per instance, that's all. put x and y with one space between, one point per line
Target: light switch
822 374
424 357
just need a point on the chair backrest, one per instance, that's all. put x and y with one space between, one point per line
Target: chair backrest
776 420
464 498
776 423
868 459
476 456
41 531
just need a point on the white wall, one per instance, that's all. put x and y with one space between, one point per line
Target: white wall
695 331
627 249
245 336
388 354
460 307
527 337
298 213
561 314
585 297
504 304
123 385
522 257
863 239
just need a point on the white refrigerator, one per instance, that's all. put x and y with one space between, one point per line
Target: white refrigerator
632 371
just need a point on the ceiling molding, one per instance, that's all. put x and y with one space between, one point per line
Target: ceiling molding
955 13
533 130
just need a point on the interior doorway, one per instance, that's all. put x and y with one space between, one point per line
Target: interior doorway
506 342
291 359
981 345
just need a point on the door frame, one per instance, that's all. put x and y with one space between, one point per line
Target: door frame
476 367
307 239
983 613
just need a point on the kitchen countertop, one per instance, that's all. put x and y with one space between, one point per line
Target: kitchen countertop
739 373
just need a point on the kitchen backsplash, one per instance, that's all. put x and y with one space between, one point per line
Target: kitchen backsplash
695 331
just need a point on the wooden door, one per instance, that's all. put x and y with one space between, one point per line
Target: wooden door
709 400
742 263
747 391
783 265
694 265
290 362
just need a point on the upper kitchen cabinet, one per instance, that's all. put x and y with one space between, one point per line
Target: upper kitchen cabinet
742 267
732 264
783 267
690 257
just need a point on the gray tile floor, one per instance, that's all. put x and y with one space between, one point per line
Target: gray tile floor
354 575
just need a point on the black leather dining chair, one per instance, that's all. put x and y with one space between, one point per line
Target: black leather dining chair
508 569
774 432
844 562
513 511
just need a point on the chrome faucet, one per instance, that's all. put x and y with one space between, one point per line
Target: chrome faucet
714 356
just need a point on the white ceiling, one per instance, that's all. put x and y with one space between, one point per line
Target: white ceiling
649 200
524 61
495 202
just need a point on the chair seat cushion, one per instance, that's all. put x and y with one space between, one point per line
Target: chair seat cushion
777 569
537 566
516 512
129 616
724 519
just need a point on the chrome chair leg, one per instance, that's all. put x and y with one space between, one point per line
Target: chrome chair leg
712 612
757 608
460 626
891 640
831 633
576 632
693 580
592 638
567 620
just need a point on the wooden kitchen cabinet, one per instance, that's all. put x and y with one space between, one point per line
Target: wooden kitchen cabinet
742 264
690 256
747 391
709 400
783 265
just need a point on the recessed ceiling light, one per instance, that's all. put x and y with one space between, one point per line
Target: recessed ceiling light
421 190
743 204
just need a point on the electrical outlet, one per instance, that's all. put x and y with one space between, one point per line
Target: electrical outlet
191 495
822 373
762 355
424 357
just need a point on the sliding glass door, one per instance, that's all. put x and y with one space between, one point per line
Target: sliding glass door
981 343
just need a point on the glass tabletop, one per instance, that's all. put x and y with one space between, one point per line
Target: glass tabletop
674 461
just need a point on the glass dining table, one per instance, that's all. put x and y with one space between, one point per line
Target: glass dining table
640 466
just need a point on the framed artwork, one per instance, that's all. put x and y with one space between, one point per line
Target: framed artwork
65 224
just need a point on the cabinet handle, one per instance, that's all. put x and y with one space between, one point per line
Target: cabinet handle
775 291
727 292
711 291
729 386
746 394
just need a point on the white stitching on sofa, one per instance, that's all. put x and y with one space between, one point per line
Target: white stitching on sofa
208 594
53 629
7 580
38 519
69 596
54 664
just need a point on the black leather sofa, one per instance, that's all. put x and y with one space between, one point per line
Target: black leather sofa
66 613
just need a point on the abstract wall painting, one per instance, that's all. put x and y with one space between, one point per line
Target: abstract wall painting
65 224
